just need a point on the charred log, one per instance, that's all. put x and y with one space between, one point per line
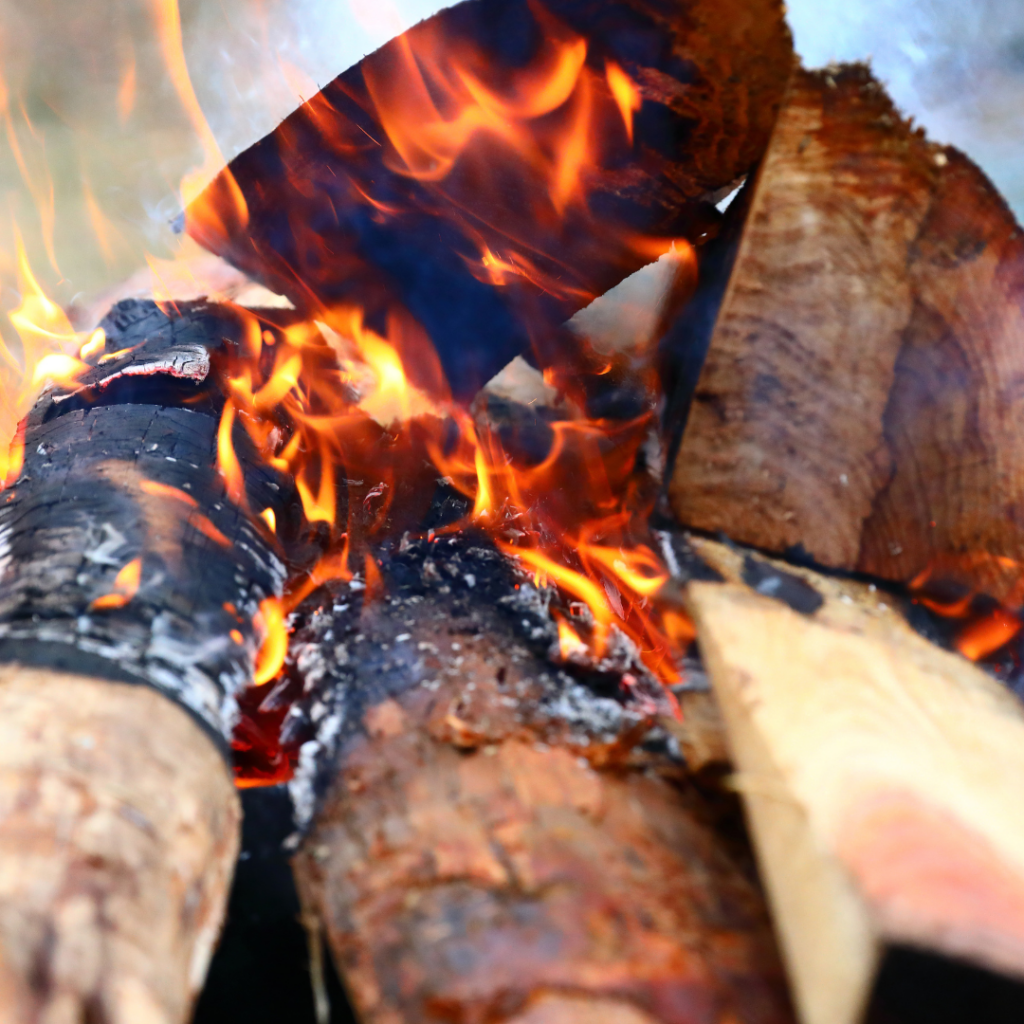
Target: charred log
121 471
856 398
124 561
502 834
327 209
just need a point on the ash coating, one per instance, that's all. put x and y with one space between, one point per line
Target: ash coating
454 609
93 496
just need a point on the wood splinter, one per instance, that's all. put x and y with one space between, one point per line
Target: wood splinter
881 777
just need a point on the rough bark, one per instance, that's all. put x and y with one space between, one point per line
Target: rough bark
118 836
881 777
507 838
333 214
122 470
859 394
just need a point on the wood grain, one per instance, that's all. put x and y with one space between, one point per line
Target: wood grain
859 396
881 777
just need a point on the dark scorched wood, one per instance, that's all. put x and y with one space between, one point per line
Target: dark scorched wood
124 468
331 220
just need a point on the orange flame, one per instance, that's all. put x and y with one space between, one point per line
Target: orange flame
224 207
569 642
126 585
272 652
626 94
987 635
47 340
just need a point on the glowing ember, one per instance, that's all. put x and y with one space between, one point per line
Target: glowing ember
126 585
982 638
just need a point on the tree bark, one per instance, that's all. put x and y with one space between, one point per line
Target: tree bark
858 394
130 590
501 840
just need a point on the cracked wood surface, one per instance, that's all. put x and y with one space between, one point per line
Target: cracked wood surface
118 837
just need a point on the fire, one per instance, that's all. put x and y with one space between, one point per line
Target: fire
626 94
569 642
270 620
47 340
984 630
126 585
987 635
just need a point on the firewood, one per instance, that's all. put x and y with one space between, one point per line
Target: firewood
369 194
118 837
124 561
504 837
881 777
857 397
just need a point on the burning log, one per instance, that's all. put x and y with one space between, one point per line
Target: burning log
505 833
124 561
881 777
858 394
497 166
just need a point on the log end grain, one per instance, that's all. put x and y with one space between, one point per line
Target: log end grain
118 837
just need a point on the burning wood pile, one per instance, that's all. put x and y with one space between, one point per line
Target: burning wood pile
515 613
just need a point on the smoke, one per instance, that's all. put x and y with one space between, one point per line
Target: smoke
956 67
254 61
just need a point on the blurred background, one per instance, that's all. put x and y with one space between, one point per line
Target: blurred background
96 134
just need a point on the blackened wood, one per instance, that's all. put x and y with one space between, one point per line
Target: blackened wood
858 398
121 468
330 220
506 837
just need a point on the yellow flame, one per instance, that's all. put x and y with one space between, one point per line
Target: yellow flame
126 585
270 659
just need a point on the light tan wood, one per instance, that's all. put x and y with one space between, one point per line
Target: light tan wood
118 838
881 777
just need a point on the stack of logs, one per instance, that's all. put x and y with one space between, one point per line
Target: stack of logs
491 834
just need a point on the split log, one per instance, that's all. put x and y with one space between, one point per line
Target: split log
504 837
881 777
124 562
374 194
859 394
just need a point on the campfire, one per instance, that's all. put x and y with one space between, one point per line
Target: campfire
587 487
